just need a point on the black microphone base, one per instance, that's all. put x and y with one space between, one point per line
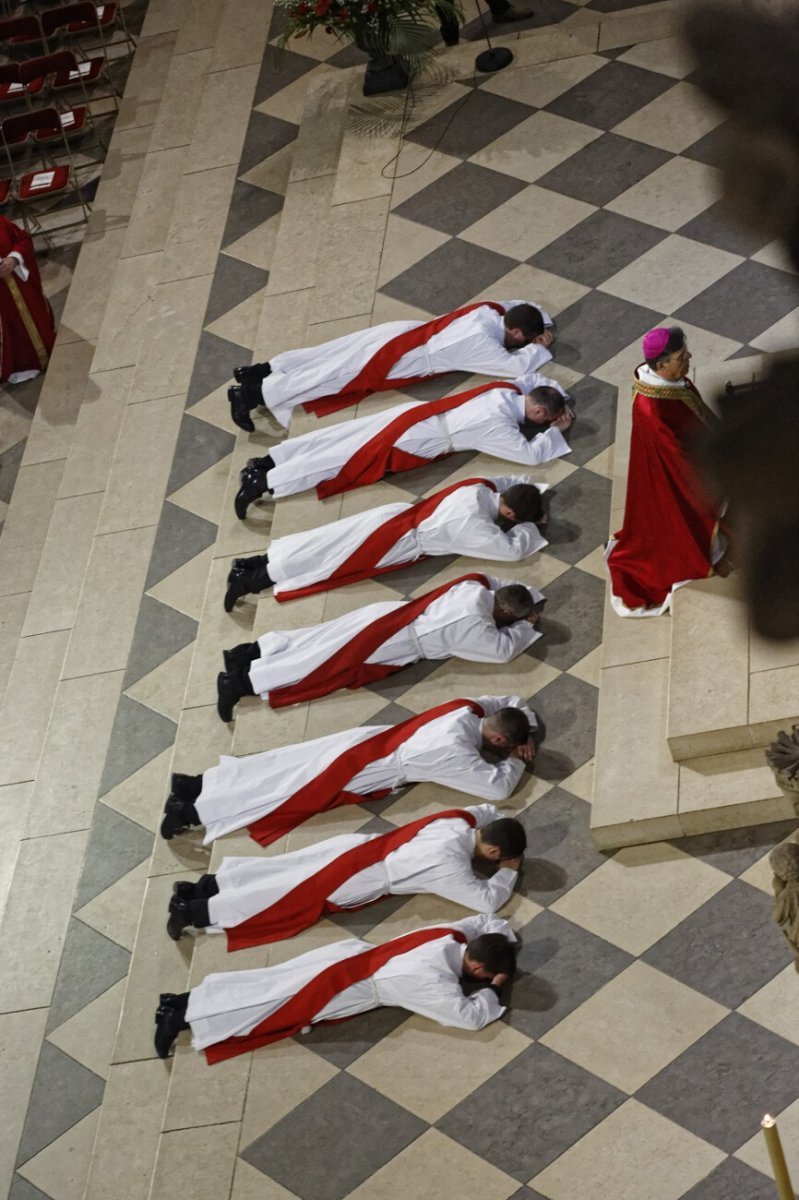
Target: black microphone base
494 59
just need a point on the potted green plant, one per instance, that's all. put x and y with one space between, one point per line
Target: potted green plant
398 35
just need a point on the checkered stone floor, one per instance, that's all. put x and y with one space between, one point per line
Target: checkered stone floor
652 1019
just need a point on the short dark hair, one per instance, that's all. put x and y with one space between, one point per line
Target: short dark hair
513 724
516 600
525 317
552 400
676 342
507 834
494 952
524 501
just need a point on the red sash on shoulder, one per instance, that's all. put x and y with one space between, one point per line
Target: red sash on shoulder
362 563
380 454
300 1010
373 375
348 667
326 790
302 907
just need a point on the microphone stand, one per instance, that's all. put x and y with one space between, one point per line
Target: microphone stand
495 57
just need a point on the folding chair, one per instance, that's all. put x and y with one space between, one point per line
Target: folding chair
13 89
42 187
92 68
88 24
75 120
19 35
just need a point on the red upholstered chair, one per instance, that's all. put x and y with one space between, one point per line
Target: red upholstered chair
93 67
37 190
15 89
21 35
76 119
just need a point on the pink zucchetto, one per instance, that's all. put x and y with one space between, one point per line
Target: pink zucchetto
655 342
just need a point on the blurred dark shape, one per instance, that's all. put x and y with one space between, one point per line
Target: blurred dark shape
747 61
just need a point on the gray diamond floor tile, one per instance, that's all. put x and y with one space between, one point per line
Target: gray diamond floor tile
715 227
416 578
571 624
567 707
526 1193
160 632
610 95
116 845
719 1087
433 388
559 966
213 366
735 850
595 328
728 949
234 281
595 427
395 687
353 1131
730 1181
392 714
459 198
250 207
279 69
64 1092
181 536
21 1189
449 277
604 169
469 124
421 481
343 1043
597 248
710 148
199 446
561 1102
265 136
743 303
139 735
90 965
578 521
560 849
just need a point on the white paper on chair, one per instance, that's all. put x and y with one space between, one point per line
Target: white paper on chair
42 179
100 12
83 69
67 118
15 87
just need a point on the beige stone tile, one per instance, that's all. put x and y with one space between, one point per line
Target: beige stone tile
455 677
588 669
594 563
73 755
435 1163
369 143
217 631
417 168
28 966
674 120
251 1184
208 1153
203 1095
529 219
272 174
14 804
641 1008
667 56
775 255
120 180
754 1152
550 80
154 204
258 246
115 912
57 411
302 227
406 1065
640 894
141 796
26 525
170 339
92 447
318 144
62 1167
671 195
670 274
198 220
141 465
163 17
581 782
106 617
163 689
13 610
772 697
151 63
617 1157
760 875
289 103
241 37
177 110
185 588
222 118
88 1037
725 780
325 331
347 271
642 783
386 309
28 699
199 25
21 1036
535 146
773 1005
240 324
780 336
59 580
85 307
128 1135
127 312
406 243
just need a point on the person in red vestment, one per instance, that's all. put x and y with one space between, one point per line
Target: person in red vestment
671 532
27 328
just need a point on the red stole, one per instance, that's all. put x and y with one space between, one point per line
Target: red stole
380 455
348 667
303 906
300 1010
327 789
362 563
373 375
27 326
668 521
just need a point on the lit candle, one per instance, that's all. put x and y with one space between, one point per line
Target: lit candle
781 1177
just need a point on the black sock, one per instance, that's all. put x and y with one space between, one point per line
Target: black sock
243 684
206 886
190 814
187 787
199 913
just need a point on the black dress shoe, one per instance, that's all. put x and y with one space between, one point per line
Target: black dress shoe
241 657
253 486
184 890
169 1022
178 816
228 694
240 410
179 917
186 787
255 373
238 585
